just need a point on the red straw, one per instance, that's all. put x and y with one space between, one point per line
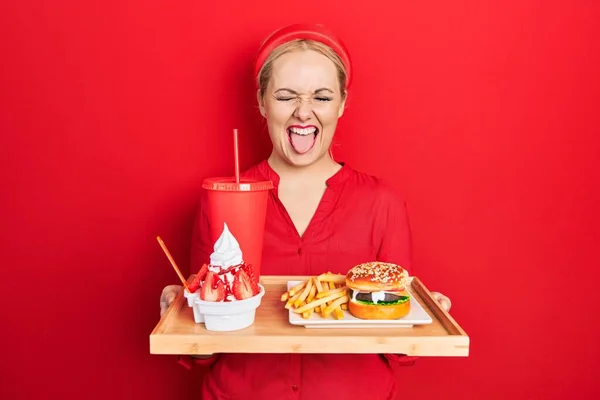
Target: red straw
236 155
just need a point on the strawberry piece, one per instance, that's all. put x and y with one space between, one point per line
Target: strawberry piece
212 289
203 271
243 287
254 284
195 284
250 271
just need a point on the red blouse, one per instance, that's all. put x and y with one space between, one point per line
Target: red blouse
359 219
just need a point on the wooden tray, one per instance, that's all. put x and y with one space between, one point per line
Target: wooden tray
176 332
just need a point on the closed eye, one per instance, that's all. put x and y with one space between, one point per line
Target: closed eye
320 99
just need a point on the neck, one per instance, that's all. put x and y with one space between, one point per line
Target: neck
320 170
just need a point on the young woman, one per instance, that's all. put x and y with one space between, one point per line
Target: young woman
322 216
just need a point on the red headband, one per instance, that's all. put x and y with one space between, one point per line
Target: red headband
314 32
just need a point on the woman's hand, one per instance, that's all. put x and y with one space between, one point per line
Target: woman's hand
166 299
444 301
168 296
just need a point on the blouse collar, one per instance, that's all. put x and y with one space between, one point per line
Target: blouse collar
339 177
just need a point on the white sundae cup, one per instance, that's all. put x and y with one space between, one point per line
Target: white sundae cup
224 316
198 317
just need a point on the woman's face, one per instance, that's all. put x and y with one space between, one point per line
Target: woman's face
302 104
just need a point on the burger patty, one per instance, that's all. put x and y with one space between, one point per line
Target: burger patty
361 296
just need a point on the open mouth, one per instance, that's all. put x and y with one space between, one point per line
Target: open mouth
302 138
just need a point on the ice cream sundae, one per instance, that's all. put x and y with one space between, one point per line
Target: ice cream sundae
229 291
227 277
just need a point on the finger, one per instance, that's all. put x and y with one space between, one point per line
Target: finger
163 306
442 300
169 293
445 303
169 298
172 288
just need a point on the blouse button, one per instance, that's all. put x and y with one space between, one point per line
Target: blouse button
300 251
295 388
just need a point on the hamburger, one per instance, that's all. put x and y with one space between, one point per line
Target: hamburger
377 290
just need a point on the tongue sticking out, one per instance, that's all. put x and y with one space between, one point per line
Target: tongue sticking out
302 143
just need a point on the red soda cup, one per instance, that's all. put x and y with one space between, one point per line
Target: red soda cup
243 206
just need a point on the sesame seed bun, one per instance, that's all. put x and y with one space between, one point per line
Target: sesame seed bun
377 276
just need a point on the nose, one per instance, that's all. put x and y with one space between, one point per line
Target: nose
303 111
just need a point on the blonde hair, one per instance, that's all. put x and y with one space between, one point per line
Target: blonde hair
266 70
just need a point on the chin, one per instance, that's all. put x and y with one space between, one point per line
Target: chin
303 160
377 290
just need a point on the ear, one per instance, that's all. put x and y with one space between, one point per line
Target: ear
261 103
342 106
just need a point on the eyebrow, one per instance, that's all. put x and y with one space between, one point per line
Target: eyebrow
324 89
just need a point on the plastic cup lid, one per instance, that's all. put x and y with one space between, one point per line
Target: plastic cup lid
228 184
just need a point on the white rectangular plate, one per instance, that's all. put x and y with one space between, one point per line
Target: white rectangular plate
416 316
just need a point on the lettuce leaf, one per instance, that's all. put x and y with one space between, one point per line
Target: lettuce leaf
402 299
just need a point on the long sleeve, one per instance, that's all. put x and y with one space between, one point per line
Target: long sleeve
188 361
401 359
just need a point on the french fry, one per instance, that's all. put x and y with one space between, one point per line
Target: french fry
320 289
334 304
290 293
292 300
325 286
335 278
338 313
297 288
304 293
313 292
319 302
318 285
331 288
326 293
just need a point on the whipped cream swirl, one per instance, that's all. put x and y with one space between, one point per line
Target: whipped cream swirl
227 251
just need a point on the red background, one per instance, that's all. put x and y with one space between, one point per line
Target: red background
485 114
